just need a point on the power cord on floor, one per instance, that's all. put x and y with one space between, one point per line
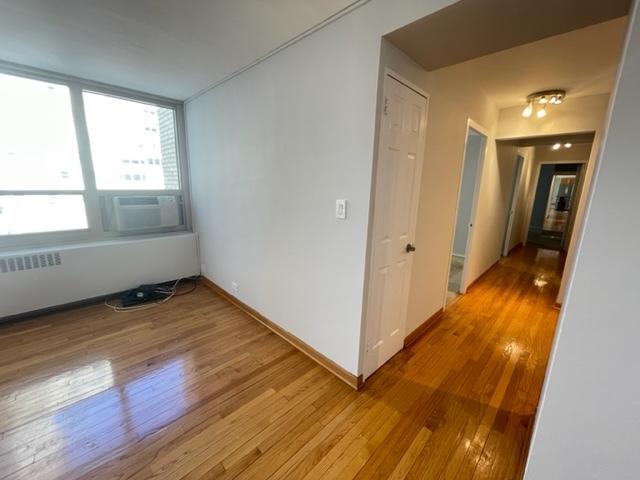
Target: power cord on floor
169 290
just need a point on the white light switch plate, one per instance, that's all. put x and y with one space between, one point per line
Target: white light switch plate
341 209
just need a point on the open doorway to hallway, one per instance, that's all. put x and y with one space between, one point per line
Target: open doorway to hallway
552 204
474 152
485 353
547 188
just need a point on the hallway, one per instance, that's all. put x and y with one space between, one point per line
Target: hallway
477 375
198 389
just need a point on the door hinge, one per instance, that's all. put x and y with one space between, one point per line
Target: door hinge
385 110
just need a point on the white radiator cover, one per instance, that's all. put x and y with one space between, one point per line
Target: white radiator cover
95 269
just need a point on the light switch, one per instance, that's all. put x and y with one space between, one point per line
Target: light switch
341 209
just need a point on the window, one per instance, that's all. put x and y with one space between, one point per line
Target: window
38 155
122 130
68 151
41 213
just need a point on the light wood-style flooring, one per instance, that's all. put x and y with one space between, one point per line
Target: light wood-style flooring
197 389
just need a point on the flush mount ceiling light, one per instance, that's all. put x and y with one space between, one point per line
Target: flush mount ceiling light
541 100
558 146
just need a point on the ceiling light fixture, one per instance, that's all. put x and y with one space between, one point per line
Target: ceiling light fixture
542 112
543 98
567 145
556 146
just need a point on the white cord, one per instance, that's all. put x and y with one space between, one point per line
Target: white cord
170 292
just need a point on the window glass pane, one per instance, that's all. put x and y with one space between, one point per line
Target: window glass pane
38 149
133 145
41 213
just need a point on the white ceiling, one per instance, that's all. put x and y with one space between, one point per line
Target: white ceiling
173 48
584 62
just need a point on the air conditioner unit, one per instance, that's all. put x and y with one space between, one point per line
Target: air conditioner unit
146 212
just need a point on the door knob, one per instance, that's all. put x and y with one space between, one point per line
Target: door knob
410 248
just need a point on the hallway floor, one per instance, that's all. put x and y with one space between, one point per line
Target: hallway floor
197 389
455 278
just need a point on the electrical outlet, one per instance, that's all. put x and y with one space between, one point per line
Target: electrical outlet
235 288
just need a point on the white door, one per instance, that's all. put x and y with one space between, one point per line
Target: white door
515 191
400 155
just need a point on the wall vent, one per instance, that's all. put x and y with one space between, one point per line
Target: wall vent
30 262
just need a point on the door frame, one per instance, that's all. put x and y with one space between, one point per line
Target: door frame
471 124
534 188
517 184
386 72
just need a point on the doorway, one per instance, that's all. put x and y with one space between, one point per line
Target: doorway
401 145
555 197
474 153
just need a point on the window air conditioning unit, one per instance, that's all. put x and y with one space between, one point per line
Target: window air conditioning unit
146 212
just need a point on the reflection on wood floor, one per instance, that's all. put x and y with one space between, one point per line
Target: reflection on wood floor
197 389
555 221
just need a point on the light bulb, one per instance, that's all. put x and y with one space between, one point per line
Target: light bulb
556 146
542 100
553 100
567 145
541 113
528 110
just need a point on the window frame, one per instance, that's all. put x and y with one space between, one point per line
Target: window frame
94 198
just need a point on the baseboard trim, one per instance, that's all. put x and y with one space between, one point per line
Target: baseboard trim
515 248
414 336
483 274
313 354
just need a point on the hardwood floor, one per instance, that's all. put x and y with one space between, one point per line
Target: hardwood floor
197 389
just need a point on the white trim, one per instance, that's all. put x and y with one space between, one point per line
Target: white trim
471 124
474 206
399 78
513 205
90 85
417 185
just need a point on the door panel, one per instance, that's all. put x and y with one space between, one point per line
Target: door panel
400 153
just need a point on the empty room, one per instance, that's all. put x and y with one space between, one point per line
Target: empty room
319 239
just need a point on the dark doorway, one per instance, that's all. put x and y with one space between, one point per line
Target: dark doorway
554 200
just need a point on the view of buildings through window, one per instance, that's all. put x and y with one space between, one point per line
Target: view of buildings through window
133 144
42 187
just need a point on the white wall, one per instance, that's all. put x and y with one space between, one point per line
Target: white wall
273 148
95 269
270 152
588 425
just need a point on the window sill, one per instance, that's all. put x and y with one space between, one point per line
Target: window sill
89 242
